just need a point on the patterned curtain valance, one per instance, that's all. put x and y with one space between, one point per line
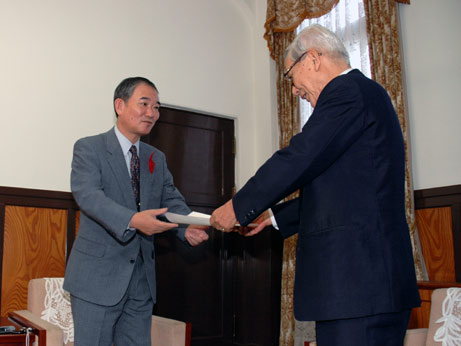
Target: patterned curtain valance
286 15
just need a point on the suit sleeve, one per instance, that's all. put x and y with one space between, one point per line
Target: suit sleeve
89 192
336 123
287 217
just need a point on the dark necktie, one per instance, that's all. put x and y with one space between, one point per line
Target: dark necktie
134 169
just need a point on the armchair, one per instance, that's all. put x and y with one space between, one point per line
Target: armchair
445 321
49 315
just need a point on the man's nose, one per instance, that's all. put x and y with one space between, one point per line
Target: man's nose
150 112
294 90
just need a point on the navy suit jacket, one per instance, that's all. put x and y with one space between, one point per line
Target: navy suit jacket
354 256
103 256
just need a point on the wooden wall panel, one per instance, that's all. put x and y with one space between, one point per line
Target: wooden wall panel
436 236
438 217
34 245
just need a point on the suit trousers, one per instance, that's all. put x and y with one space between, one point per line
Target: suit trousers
126 323
378 330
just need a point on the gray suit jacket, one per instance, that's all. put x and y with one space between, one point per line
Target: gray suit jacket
103 255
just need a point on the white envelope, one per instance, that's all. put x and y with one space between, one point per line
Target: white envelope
194 218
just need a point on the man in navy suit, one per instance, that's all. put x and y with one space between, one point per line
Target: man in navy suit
354 266
111 269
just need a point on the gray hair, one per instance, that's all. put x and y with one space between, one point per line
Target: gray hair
126 88
321 39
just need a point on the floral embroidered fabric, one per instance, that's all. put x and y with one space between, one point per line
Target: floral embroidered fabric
57 308
449 334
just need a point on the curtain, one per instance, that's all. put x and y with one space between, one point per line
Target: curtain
288 120
384 46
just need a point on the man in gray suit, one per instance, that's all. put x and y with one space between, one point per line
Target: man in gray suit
111 269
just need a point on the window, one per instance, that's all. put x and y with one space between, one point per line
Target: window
348 21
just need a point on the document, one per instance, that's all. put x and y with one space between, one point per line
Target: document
194 218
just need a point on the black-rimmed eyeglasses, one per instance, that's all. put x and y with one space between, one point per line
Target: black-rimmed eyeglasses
285 74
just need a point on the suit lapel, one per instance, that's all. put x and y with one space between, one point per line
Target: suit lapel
117 162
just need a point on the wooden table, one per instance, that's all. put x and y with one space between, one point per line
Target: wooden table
13 339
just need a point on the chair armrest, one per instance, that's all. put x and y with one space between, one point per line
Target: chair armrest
416 337
433 285
165 331
48 334
420 316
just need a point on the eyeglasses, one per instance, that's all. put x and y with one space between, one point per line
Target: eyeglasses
285 75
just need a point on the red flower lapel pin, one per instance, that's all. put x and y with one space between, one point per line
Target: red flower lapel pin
151 163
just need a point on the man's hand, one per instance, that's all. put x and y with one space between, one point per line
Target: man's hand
195 234
224 218
146 222
262 220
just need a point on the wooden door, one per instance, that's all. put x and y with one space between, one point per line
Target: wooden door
194 284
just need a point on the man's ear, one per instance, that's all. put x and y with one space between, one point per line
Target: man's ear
119 105
315 58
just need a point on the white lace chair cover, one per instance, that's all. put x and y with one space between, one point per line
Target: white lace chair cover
449 333
57 308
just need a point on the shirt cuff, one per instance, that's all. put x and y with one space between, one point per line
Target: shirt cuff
128 231
274 222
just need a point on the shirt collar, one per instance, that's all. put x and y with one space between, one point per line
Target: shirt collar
346 71
125 143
